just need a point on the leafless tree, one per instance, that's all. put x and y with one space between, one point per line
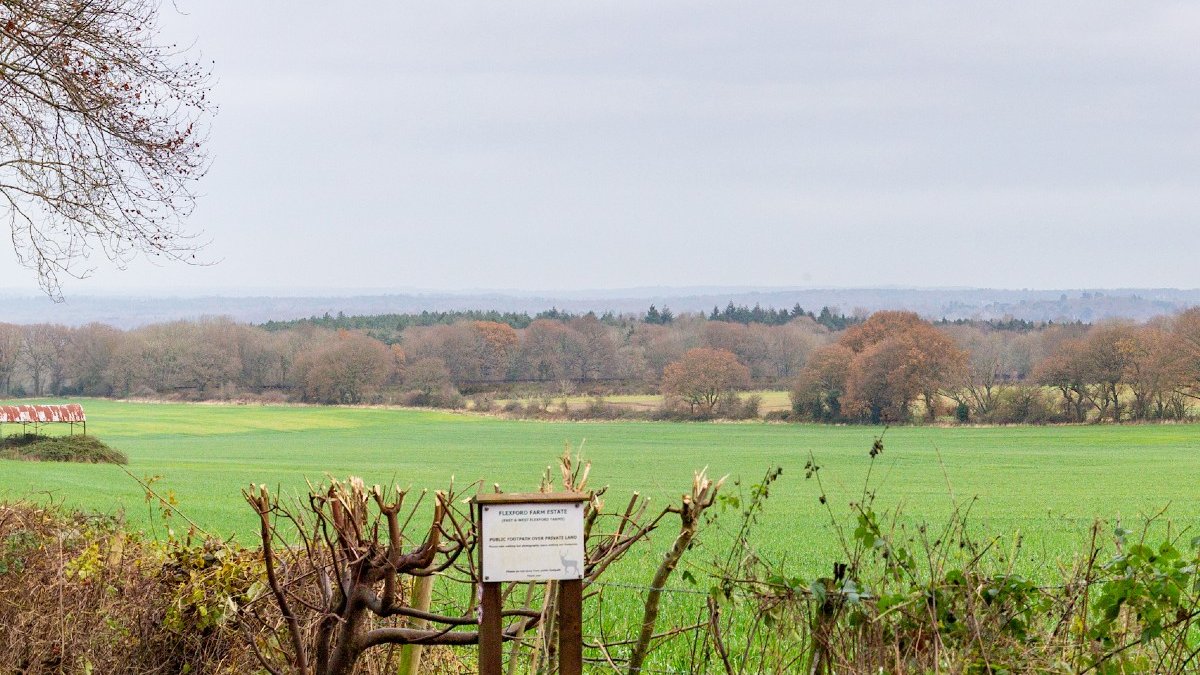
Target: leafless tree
40 353
428 377
995 359
1064 367
1186 328
10 354
257 356
1155 372
458 346
659 346
92 349
1109 349
596 349
101 135
337 567
548 351
788 346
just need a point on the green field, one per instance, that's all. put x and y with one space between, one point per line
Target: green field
1049 483
772 400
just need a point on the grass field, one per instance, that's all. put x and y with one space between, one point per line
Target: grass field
1049 483
772 400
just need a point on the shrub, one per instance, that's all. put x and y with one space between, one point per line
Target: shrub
84 449
538 406
1023 405
729 406
438 399
752 407
271 396
132 606
962 412
903 600
599 409
82 595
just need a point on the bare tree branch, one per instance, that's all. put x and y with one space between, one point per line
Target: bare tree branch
101 135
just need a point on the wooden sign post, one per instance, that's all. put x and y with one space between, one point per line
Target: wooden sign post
532 537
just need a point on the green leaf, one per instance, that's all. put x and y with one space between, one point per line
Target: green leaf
818 591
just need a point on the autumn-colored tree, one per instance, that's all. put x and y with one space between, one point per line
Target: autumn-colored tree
1186 329
725 335
885 378
497 344
457 345
102 132
898 358
348 369
399 363
473 351
704 376
879 327
818 390
750 343
1155 372
549 351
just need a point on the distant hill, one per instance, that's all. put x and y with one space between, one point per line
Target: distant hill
1033 305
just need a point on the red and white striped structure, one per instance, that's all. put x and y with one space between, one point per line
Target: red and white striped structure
71 413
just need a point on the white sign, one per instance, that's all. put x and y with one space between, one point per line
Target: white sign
532 542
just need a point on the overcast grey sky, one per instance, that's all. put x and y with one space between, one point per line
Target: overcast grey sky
566 145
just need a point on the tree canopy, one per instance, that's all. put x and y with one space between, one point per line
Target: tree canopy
703 376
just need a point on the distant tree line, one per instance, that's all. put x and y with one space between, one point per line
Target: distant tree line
1114 370
887 367
388 327
777 317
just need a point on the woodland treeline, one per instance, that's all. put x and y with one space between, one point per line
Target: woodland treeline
888 367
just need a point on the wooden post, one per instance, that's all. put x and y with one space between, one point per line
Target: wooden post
420 599
570 627
491 641
564 564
